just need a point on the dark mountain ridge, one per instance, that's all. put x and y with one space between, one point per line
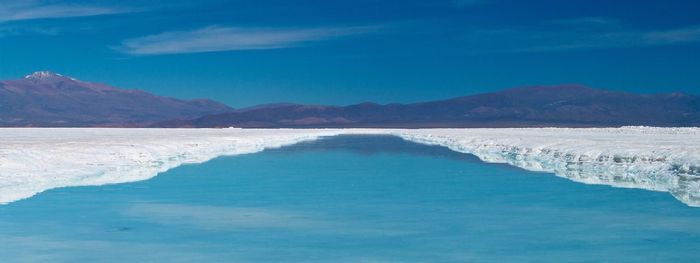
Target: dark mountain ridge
541 106
52 100
47 99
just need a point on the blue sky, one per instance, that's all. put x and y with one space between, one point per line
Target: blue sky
342 52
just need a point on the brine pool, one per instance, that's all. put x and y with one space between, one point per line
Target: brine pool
350 199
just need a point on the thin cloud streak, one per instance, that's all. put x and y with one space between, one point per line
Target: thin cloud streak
681 35
13 30
575 34
33 9
466 3
217 38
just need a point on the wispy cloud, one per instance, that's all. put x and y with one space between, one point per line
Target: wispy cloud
575 34
215 217
217 38
226 218
16 10
465 3
14 30
681 35
585 21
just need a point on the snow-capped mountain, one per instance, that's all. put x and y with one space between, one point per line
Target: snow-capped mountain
45 98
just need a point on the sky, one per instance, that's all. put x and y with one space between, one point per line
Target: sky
244 53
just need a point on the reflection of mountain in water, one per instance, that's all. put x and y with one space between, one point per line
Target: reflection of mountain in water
616 171
375 144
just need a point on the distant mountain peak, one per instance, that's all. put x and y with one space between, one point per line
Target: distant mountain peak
46 75
45 98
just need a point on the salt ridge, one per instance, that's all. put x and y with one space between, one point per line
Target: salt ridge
658 159
35 160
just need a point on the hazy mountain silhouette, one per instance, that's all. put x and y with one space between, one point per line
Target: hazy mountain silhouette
563 106
49 99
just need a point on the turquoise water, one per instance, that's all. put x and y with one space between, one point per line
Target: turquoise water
350 199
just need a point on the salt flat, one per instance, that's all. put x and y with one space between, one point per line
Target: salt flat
33 160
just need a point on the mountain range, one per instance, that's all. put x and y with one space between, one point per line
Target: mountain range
551 106
50 99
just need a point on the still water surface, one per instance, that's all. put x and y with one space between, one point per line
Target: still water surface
350 199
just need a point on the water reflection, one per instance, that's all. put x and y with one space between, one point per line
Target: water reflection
369 145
